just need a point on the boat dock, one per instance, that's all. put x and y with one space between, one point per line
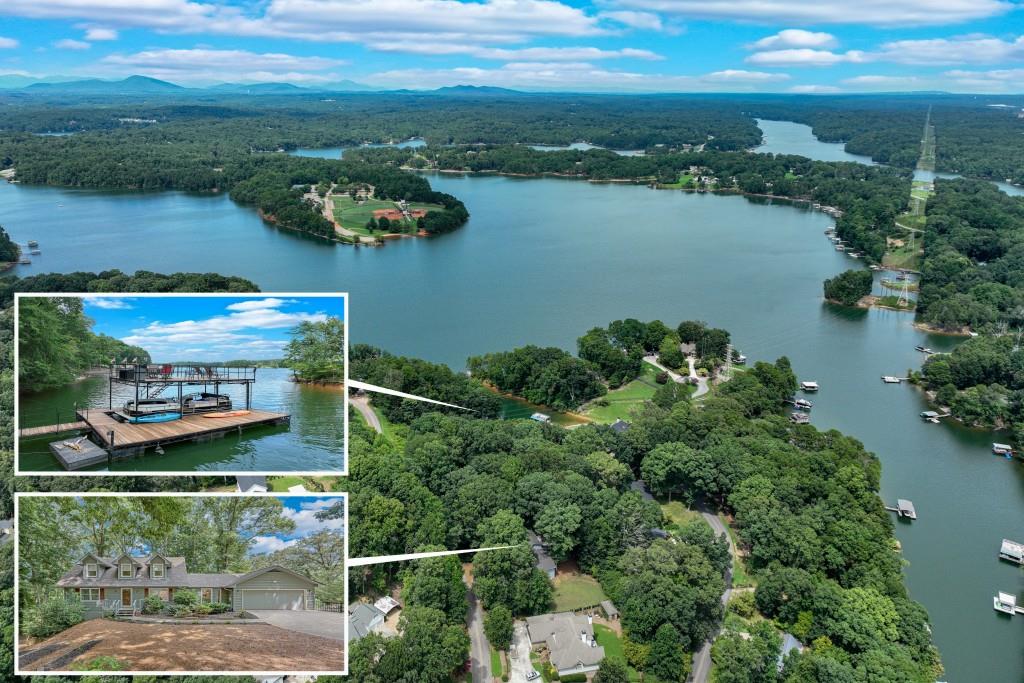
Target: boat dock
903 508
1007 604
29 432
1011 551
125 439
74 454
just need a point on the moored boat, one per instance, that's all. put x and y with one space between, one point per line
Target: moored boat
204 401
151 406
154 417
809 386
1002 449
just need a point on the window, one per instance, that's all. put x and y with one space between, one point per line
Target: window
91 570
157 570
126 570
90 595
206 595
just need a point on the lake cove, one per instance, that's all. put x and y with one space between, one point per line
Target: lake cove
543 260
316 430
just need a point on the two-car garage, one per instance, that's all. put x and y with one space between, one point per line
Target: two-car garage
273 588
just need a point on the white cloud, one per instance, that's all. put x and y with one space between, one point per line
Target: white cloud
875 81
8 43
795 37
108 303
814 89
257 304
306 522
97 33
269 544
742 76
870 12
804 57
71 44
539 54
204 64
642 20
968 49
995 80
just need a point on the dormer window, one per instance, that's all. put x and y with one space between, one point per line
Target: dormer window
126 570
156 571
92 570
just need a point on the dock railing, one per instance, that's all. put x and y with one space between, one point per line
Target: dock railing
143 373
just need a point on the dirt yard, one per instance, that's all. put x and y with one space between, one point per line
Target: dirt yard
164 647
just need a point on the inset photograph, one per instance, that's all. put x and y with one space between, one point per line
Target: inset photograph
181 383
152 583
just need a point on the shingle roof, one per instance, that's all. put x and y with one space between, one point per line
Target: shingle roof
544 561
569 638
361 618
176 576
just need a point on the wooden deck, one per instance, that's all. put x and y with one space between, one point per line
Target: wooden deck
52 429
133 439
74 454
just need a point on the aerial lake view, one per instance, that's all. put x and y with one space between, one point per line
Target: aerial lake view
540 262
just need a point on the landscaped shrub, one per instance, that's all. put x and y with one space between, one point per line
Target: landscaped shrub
181 610
101 663
219 607
55 614
202 609
153 605
186 597
574 678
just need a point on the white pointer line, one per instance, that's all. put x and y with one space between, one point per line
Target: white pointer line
401 394
383 559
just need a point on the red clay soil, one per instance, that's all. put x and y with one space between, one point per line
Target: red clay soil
214 647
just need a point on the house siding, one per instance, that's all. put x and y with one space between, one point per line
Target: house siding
269 581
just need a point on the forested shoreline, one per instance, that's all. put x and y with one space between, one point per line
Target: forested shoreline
804 504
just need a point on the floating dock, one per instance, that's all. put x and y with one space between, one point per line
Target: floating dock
904 508
74 454
125 439
1011 551
1006 603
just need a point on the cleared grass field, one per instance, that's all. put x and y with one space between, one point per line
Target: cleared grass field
623 400
577 591
613 649
355 216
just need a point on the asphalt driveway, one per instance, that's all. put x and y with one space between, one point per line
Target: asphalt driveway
314 623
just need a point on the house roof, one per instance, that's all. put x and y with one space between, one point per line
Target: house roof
620 425
175 576
362 617
246 483
544 561
569 638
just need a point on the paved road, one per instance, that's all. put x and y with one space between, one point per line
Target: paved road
479 648
314 623
362 404
702 658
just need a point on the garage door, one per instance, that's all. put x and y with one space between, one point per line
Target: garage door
272 599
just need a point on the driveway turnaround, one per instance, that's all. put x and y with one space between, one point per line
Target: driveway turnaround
323 624
162 647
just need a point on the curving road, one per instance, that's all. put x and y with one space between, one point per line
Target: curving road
362 404
702 658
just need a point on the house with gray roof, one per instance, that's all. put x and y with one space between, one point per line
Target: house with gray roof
545 562
569 639
105 584
364 619
251 484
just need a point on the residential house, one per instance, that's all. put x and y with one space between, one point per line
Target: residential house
545 562
569 639
620 426
251 484
364 619
105 583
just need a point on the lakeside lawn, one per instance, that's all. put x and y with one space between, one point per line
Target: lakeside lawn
576 591
685 180
354 216
622 401
281 484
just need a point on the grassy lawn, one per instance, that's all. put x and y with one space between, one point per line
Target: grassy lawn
740 576
679 514
354 216
576 592
496 667
281 484
892 301
538 666
607 639
623 400
903 257
685 180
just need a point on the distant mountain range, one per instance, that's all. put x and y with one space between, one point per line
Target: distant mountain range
144 85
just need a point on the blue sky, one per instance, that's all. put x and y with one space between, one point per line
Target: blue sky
601 45
301 510
208 328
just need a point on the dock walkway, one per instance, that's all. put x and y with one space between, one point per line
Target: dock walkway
126 439
28 432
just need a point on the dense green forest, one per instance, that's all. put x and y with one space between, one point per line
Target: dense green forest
56 343
9 251
316 351
804 504
848 287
